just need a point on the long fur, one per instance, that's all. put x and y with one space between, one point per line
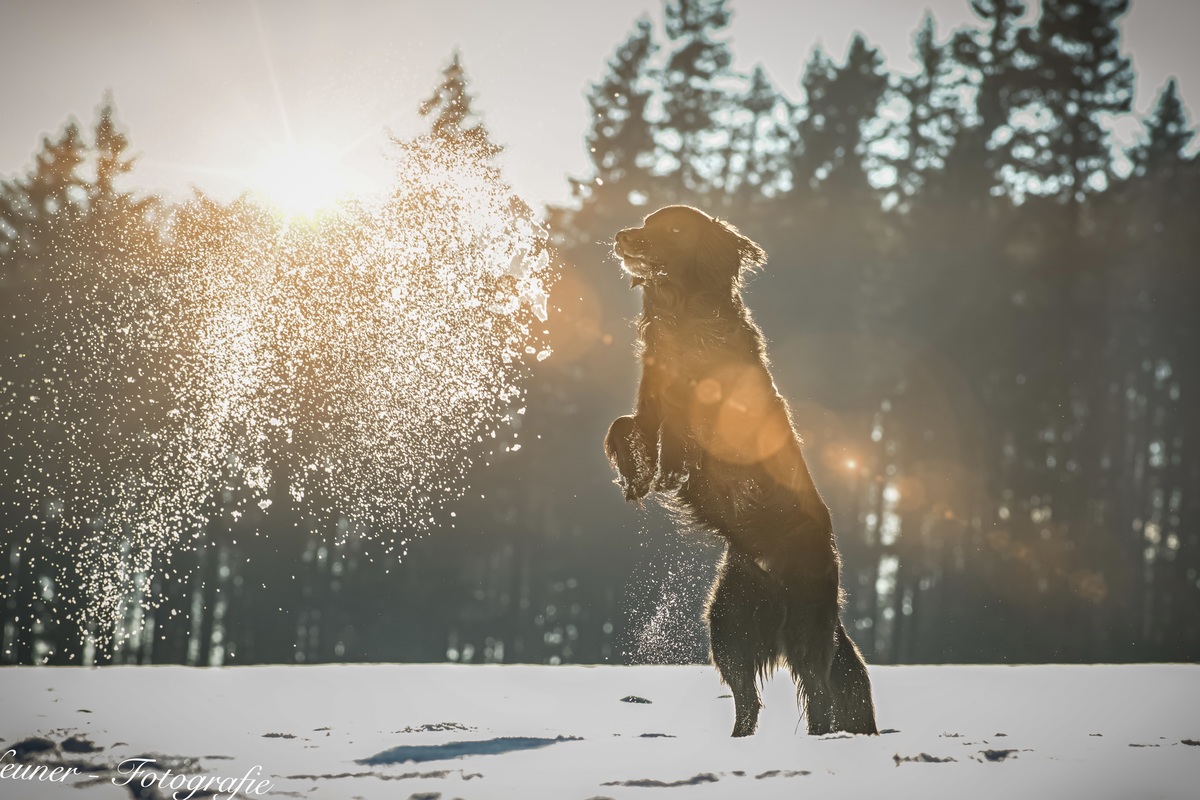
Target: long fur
712 438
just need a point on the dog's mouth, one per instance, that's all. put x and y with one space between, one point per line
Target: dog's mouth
636 263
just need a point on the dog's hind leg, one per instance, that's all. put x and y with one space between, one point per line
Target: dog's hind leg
854 709
744 620
809 643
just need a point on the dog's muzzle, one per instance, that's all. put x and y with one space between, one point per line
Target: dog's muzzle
631 249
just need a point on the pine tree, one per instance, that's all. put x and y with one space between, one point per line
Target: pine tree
756 158
832 212
50 194
695 108
620 144
1152 450
962 285
454 122
996 59
111 147
840 103
471 623
117 219
816 143
55 185
1162 152
77 252
1061 159
620 140
1080 74
934 113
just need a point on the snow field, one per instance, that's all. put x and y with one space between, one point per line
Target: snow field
479 732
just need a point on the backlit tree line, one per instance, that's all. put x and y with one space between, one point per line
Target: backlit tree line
980 309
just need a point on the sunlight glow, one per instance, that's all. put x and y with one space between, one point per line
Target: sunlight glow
301 179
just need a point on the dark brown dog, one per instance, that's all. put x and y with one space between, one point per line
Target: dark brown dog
713 438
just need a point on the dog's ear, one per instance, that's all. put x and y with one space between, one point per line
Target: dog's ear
730 254
752 256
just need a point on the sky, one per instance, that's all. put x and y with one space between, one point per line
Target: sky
210 90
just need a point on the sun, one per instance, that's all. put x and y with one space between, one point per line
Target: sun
301 179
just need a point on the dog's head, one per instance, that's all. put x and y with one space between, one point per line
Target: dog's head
685 246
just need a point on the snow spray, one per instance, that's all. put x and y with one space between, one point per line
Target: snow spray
350 364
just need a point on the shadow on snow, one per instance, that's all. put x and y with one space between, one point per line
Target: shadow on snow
440 752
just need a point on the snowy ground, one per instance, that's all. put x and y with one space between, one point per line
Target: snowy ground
478 732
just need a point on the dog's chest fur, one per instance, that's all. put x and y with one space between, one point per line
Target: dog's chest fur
687 340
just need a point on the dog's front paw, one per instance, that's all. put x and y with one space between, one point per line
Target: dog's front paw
674 463
629 453
669 480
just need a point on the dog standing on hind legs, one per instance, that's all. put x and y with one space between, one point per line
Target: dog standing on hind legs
713 440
